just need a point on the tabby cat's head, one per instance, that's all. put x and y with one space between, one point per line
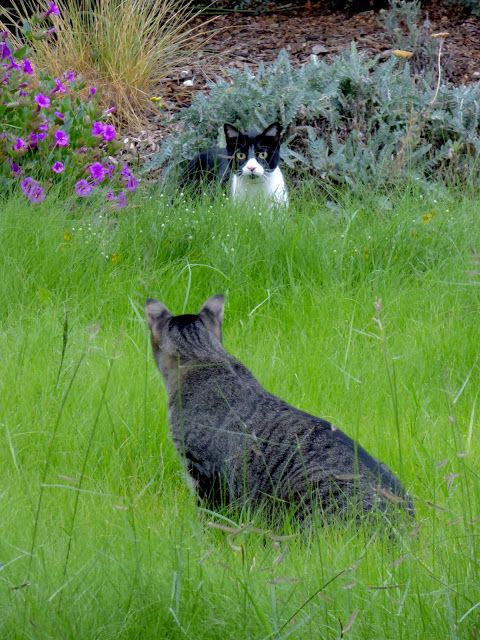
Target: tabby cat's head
253 154
188 338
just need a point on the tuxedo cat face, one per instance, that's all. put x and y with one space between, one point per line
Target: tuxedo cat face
254 155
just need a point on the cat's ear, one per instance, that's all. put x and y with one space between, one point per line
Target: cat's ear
231 133
273 132
212 314
157 313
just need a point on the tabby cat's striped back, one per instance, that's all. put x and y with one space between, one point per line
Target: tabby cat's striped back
243 445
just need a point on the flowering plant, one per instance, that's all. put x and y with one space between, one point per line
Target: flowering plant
52 129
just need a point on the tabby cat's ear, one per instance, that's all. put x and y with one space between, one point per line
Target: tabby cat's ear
157 313
231 132
212 314
273 132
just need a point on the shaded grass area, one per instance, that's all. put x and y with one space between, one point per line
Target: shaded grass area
363 311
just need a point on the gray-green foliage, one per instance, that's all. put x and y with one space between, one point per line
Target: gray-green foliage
406 30
355 120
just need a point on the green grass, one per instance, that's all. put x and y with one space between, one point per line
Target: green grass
99 535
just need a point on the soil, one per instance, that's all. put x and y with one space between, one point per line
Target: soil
236 39
308 29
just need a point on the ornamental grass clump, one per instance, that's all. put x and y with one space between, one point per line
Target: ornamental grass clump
52 129
124 48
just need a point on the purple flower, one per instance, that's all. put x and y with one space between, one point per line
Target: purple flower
61 138
16 169
38 195
25 184
32 190
98 128
109 132
43 126
70 76
125 172
59 87
108 111
131 183
109 171
59 115
42 100
4 51
97 171
20 144
27 67
92 91
121 200
12 65
53 9
23 93
58 167
83 188
35 138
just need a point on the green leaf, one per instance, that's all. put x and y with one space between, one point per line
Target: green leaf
21 53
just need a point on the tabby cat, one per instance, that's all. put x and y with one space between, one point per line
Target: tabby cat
244 446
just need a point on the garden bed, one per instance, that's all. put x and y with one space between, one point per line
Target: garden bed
244 38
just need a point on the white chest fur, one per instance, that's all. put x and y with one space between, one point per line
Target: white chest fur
270 186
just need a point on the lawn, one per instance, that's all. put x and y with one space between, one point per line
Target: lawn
361 309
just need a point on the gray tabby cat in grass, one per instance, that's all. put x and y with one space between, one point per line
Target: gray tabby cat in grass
244 446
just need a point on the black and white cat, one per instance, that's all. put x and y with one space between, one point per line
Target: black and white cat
250 162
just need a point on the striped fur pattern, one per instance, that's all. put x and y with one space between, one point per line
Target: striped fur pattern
241 444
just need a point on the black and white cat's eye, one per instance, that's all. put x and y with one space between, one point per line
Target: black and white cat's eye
241 155
263 155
